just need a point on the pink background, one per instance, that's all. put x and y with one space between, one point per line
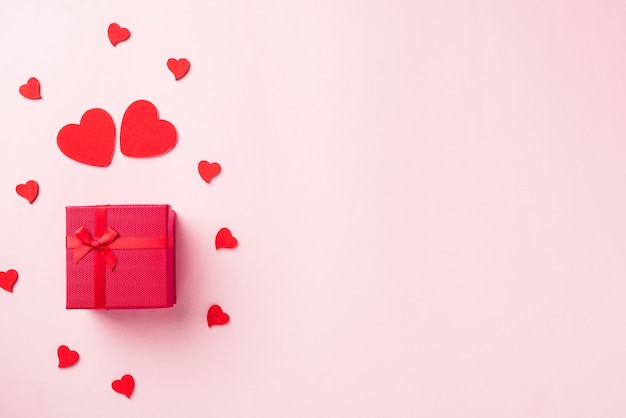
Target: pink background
429 199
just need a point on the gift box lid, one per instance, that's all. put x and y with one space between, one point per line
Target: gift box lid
120 256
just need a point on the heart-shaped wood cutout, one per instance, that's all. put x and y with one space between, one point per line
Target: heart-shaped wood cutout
92 142
117 33
28 191
224 239
215 316
208 170
66 356
143 134
125 385
8 279
178 67
30 90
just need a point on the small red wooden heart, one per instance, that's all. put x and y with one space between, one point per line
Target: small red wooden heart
208 170
117 34
215 316
30 90
8 279
28 191
125 385
143 134
66 356
92 142
224 239
178 67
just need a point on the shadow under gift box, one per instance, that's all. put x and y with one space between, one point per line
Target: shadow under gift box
120 257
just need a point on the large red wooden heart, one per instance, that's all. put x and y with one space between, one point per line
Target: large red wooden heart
215 316
125 385
30 90
28 191
66 356
8 279
208 170
117 34
143 134
178 67
91 142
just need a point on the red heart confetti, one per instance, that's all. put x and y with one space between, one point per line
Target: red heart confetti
178 67
208 170
224 239
28 191
117 33
92 142
125 385
66 356
8 279
215 316
30 90
143 134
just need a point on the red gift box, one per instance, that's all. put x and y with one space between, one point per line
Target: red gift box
120 257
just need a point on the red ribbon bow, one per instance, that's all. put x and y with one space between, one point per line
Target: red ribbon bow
88 243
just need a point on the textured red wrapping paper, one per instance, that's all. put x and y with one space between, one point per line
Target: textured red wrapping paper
120 257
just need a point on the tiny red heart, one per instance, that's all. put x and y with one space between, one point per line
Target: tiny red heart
224 239
208 170
143 134
28 191
66 356
8 279
92 142
178 67
117 33
125 385
215 316
30 90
